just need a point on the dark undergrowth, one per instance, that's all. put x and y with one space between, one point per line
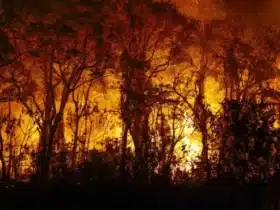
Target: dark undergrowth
112 194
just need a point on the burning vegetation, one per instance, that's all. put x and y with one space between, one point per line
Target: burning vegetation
142 91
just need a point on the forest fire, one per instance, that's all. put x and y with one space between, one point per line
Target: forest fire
145 92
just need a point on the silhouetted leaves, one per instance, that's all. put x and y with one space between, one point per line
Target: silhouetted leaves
249 138
74 43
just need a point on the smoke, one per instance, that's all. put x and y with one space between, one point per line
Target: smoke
255 13
200 9
244 6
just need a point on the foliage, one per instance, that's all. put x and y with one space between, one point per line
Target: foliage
249 145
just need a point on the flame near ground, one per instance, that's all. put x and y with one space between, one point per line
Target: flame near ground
106 123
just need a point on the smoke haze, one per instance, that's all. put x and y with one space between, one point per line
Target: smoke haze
253 12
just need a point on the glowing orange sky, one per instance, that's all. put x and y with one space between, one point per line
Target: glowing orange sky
265 14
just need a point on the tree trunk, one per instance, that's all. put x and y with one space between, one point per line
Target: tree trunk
221 156
41 159
10 168
202 113
123 171
46 149
126 124
205 155
200 106
75 144
4 173
135 109
53 131
141 142
140 167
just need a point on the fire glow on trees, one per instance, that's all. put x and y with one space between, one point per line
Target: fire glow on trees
141 73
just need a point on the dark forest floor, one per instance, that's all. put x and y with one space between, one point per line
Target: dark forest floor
108 195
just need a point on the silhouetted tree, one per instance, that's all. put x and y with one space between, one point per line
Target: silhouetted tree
63 56
139 64
250 142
